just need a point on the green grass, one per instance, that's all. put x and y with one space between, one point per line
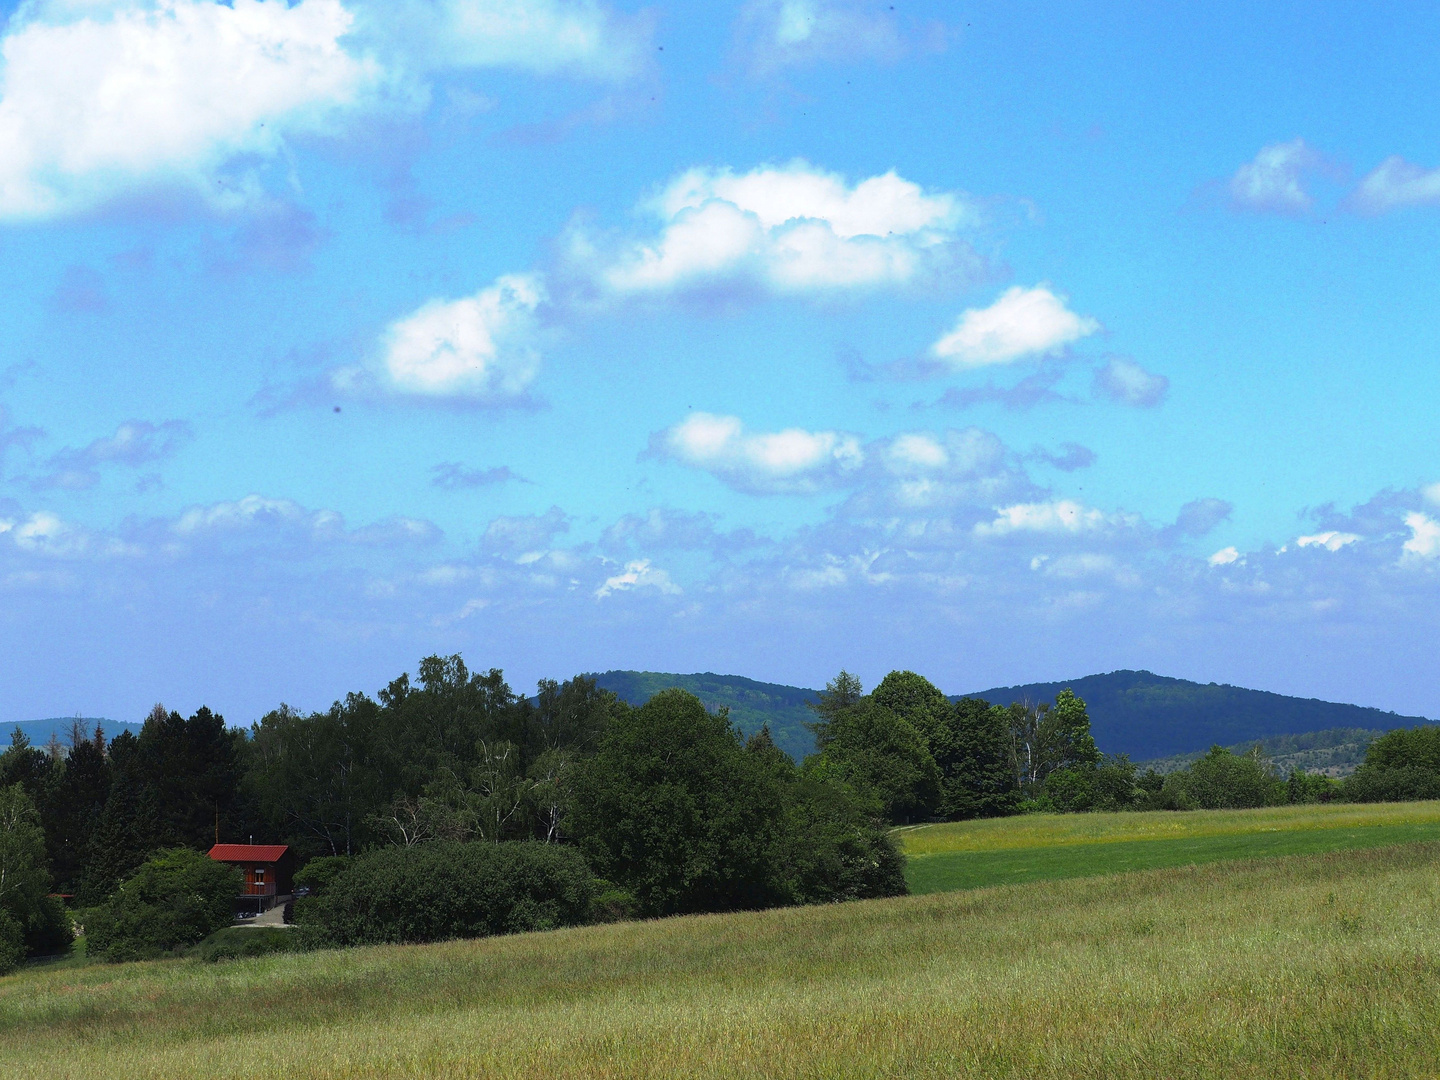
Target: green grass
1043 847
1310 966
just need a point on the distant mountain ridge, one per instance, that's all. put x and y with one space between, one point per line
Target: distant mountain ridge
1138 713
751 703
1152 716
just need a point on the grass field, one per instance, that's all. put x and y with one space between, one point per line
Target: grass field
1313 966
1044 847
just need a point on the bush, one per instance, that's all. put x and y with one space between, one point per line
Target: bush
834 846
50 931
242 942
1304 787
1111 785
12 942
1223 781
1403 784
175 900
445 889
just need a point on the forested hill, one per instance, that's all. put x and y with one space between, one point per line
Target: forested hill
751 703
39 731
1150 716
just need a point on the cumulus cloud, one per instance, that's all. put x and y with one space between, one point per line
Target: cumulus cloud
482 347
1431 494
774 34
1330 540
135 443
102 98
1060 516
1274 180
1225 556
1021 323
1396 183
638 574
114 97
793 461
1424 542
783 229
1128 383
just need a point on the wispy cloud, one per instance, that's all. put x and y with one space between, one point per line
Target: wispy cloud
135 443
1126 382
453 476
1275 180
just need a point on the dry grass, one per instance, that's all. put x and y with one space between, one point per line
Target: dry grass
1317 966
1049 830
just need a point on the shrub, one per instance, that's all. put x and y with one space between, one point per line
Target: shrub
12 942
242 942
446 889
834 846
50 931
1405 783
173 901
1223 781
1111 785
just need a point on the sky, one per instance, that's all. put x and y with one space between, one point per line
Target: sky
1001 342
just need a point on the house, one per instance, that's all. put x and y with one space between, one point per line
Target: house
268 870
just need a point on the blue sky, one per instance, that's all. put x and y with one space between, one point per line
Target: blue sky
1003 342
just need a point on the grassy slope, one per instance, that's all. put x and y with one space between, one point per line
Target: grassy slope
974 854
1316 966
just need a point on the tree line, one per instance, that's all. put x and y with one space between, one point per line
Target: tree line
660 809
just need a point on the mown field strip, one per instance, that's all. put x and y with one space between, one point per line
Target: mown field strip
1048 830
978 869
1313 966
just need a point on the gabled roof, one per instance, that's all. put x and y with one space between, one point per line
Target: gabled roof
248 852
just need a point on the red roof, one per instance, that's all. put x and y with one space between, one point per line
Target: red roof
248 852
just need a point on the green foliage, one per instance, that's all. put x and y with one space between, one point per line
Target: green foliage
442 890
752 705
173 901
319 873
919 702
670 808
1303 787
841 694
1222 780
244 942
976 762
1151 716
878 752
1399 766
1109 785
30 916
680 814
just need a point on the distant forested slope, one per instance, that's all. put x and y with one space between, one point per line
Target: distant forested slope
751 703
1335 752
39 731
1151 716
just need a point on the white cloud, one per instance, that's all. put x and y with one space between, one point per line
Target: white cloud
1224 557
481 347
789 461
1130 384
102 98
544 37
43 533
1272 181
1062 516
783 33
1424 539
1431 494
1022 322
638 574
785 229
1396 183
1330 541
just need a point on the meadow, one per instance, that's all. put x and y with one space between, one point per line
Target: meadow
1043 847
1316 966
